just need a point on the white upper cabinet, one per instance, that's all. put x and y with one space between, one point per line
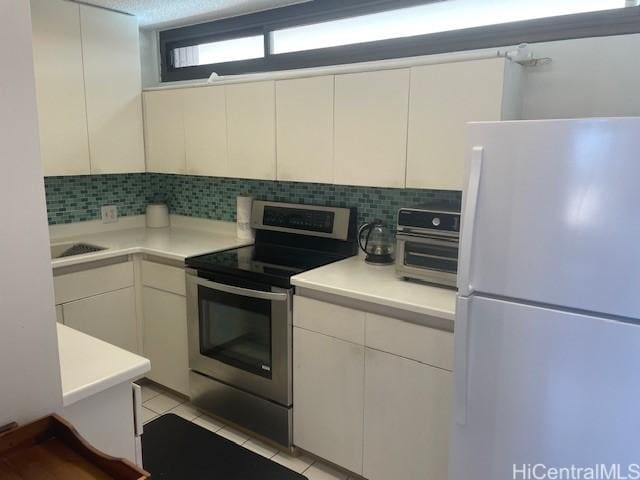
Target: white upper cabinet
87 70
110 42
164 131
304 109
57 54
444 97
371 128
205 130
251 130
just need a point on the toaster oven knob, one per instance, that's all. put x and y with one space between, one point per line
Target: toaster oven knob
436 222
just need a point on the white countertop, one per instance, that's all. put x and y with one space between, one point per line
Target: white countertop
175 243
355 279
89 366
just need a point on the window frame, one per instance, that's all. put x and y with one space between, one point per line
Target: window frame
592 24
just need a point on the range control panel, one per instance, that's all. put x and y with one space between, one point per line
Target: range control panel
418 219
298 219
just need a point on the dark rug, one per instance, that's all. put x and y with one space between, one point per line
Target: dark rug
175 449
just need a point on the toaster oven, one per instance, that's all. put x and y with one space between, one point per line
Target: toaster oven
428 242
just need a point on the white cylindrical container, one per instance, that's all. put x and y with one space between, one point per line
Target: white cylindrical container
244 206
157 215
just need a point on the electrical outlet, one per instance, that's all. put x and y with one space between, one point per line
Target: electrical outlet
109 214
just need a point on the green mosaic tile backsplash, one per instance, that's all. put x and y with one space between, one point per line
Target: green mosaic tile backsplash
79 198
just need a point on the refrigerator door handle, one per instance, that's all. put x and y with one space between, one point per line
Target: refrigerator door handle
468 221
461 365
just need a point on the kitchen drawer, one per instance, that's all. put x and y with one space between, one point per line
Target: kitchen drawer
86 283
163 277
417 342
329 319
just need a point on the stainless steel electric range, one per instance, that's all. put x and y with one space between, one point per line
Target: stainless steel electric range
240 307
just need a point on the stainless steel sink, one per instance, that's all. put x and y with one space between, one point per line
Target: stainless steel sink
72 249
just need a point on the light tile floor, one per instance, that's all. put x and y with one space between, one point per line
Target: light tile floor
157 401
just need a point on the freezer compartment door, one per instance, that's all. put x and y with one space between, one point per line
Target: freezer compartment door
539 386
551 213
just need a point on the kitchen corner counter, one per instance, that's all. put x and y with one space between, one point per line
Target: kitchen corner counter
356 280
184 238
89 366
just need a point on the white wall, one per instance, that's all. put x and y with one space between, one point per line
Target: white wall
29 366
588 77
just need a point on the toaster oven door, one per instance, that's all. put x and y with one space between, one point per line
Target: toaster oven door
428 258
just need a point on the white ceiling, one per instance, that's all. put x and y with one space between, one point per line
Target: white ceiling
167 13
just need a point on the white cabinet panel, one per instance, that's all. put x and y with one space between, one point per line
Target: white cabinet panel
328 390
110 317
417 342
251 130
59 316
164 131
329 319
165 338
443 99
371 128
57 57
82 284
304 108
164 277
113 90
205 130
407 419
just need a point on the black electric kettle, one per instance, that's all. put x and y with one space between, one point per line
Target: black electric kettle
376 240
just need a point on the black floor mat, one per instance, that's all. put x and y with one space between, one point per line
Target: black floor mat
175 449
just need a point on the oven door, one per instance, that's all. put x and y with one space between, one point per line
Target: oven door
241 336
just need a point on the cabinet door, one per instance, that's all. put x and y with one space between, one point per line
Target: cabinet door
205 130
443 99
57 58
110 317
164 131
407 418
371 128
111 53
251 130
304 124
328 391
165 338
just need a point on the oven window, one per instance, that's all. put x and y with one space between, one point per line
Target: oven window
432 257
236 330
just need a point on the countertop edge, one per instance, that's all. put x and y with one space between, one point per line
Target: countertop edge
78 394
409 307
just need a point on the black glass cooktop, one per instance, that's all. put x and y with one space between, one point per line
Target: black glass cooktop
270 264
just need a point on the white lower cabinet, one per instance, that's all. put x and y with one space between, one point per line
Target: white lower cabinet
328 397
109 316
165 338
407 412
371 393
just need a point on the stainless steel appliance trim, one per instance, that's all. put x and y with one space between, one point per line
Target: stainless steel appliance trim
438 257
429 240
245 292
340 221
279 387
261 416
426 231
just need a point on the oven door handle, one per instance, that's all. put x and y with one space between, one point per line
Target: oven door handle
245 292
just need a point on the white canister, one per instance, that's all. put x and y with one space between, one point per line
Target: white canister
157 215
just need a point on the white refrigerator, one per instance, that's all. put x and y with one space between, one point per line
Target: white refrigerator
547 332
